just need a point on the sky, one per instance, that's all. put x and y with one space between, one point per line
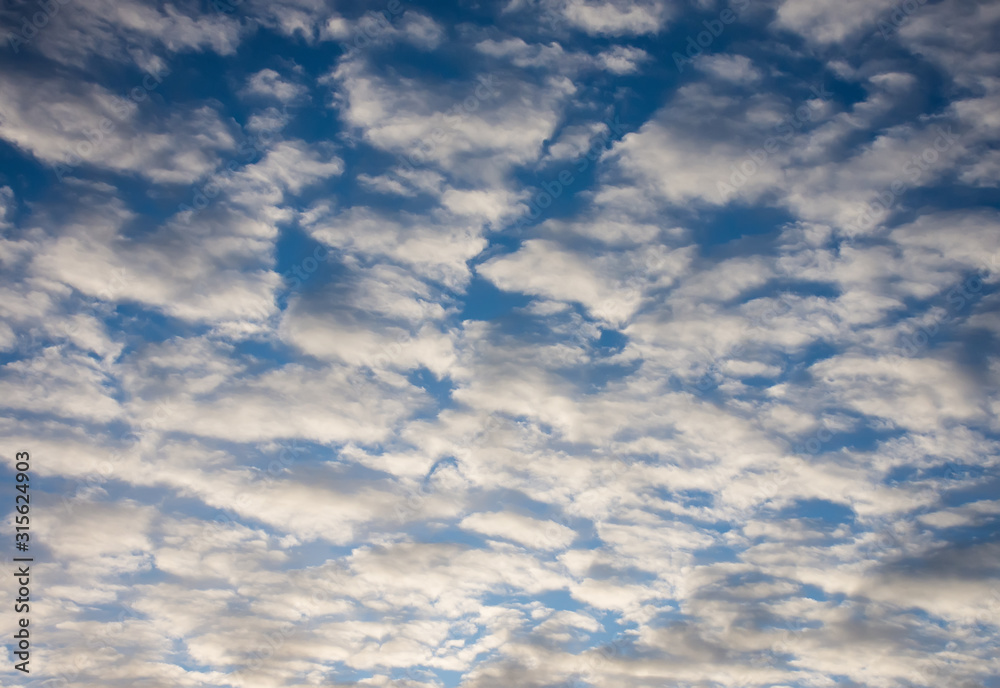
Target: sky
534 343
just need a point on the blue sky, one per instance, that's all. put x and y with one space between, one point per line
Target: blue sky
541 343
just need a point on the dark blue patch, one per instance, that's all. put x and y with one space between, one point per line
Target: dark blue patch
262 355
819 509
426 531
612 341
719 228
483 301
142 325
306 265
555 599
449 461
776 289
813 593
696 498
439 389
715 554
986 487
30 180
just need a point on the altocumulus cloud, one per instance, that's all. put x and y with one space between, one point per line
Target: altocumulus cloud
542 343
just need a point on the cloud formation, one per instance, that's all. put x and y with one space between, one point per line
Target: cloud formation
387 346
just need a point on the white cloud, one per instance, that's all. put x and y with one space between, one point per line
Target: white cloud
466 129
622 59
531 532
606 285
64 384
831 22
436 250
616 18
129 32
735 68
268 82
76 126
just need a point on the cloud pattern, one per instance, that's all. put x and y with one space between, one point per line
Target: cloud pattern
541 343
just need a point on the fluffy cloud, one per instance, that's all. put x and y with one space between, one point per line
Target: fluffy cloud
310 398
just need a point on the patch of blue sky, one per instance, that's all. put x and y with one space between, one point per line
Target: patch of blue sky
439 389
428 530
484 301
143 325
826 512
968 484
715 554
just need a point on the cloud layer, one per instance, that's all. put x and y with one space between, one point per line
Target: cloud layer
543 344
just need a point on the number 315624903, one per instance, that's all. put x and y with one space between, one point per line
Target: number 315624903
22 499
